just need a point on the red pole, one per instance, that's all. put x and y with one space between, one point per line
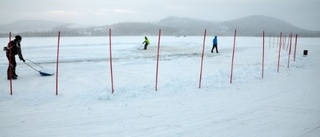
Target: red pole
279 52
289 42
234 46
289 49
278 41
295 48
203 45
269 41
157 67
10 62
263 53
57 65
111 71
284 42
273 41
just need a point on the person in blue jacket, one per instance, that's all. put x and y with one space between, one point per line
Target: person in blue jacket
215 44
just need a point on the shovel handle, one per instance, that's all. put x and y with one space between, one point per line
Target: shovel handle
35 63
31 67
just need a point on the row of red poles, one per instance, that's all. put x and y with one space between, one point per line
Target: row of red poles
202 58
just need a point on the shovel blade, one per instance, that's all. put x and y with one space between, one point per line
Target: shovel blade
45 73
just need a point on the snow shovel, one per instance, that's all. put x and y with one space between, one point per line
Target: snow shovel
42 71
140 47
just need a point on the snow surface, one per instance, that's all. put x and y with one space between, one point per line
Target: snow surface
284 104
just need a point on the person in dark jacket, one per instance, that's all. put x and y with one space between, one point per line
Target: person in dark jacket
14 48
215 44
146 42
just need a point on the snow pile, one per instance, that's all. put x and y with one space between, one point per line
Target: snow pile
280 104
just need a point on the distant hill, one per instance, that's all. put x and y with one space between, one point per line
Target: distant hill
173 26
254 25
247 26
31 26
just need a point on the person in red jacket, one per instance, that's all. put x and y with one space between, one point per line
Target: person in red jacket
14 48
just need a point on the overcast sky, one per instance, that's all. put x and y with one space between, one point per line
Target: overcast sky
301 13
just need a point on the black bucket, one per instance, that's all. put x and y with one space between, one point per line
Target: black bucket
305 52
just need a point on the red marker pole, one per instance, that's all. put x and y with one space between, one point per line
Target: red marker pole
273 41
295 48
290 38
10 66
279 52
278 41
57 65
263 53
111 70
234 47
269 41
203 45
157 66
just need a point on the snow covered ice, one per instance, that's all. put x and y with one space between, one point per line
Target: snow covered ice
284 104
